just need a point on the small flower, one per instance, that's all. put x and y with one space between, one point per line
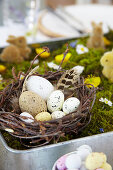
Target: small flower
106 101
59 58
52 65
80 49
95 81
1 78
2 68
43 55
73 44
101 130
79 69
35 62
106 41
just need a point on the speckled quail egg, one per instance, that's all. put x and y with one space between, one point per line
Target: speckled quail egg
31 103
70 105
40 86
29 118
55 101
73 161
43 116
57 114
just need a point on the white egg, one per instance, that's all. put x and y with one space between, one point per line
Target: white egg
83 154
55 101
73 161
57 114
70 105
27 115
85 147
40 86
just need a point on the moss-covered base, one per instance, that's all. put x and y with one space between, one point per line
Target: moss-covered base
102 115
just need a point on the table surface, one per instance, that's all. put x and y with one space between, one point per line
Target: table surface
85 13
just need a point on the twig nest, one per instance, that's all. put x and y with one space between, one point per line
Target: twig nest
70 105
32 103
57 114
40 86
28 117
73 161
95 160
55 101
43 116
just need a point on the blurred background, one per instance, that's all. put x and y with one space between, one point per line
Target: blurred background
48 20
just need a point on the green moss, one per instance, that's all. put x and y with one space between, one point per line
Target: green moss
102 115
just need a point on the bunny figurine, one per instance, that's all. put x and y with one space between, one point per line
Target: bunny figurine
17 51
96 39
107 62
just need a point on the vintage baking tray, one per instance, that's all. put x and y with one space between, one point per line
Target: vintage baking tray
43 158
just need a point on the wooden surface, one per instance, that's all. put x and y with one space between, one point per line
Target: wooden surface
55 3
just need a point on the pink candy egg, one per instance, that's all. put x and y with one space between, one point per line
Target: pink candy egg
100 169
61 163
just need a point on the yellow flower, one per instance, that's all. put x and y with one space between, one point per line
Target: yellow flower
2 68
43 55
106 41
59 58
95 81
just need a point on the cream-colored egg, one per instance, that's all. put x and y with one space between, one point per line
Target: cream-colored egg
70 105
55 101
40 86
57 114
95 160
28 117
32 103
43 116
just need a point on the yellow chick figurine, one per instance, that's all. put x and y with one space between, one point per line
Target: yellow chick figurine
107 63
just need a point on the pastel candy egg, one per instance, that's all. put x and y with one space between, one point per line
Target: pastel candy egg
99 169
40 86
31 103
85 147
57 114
95 160
73 161
43 116
106 166
29 118
83 153
55 101
83 166
61 163
70 105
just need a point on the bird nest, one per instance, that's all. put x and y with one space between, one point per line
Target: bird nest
40 133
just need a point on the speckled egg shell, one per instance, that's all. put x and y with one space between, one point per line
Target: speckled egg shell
55 101
32 103
43 116
95 160
70 105
40 86
29 118
57 114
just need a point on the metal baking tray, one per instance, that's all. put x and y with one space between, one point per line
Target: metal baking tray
43 158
